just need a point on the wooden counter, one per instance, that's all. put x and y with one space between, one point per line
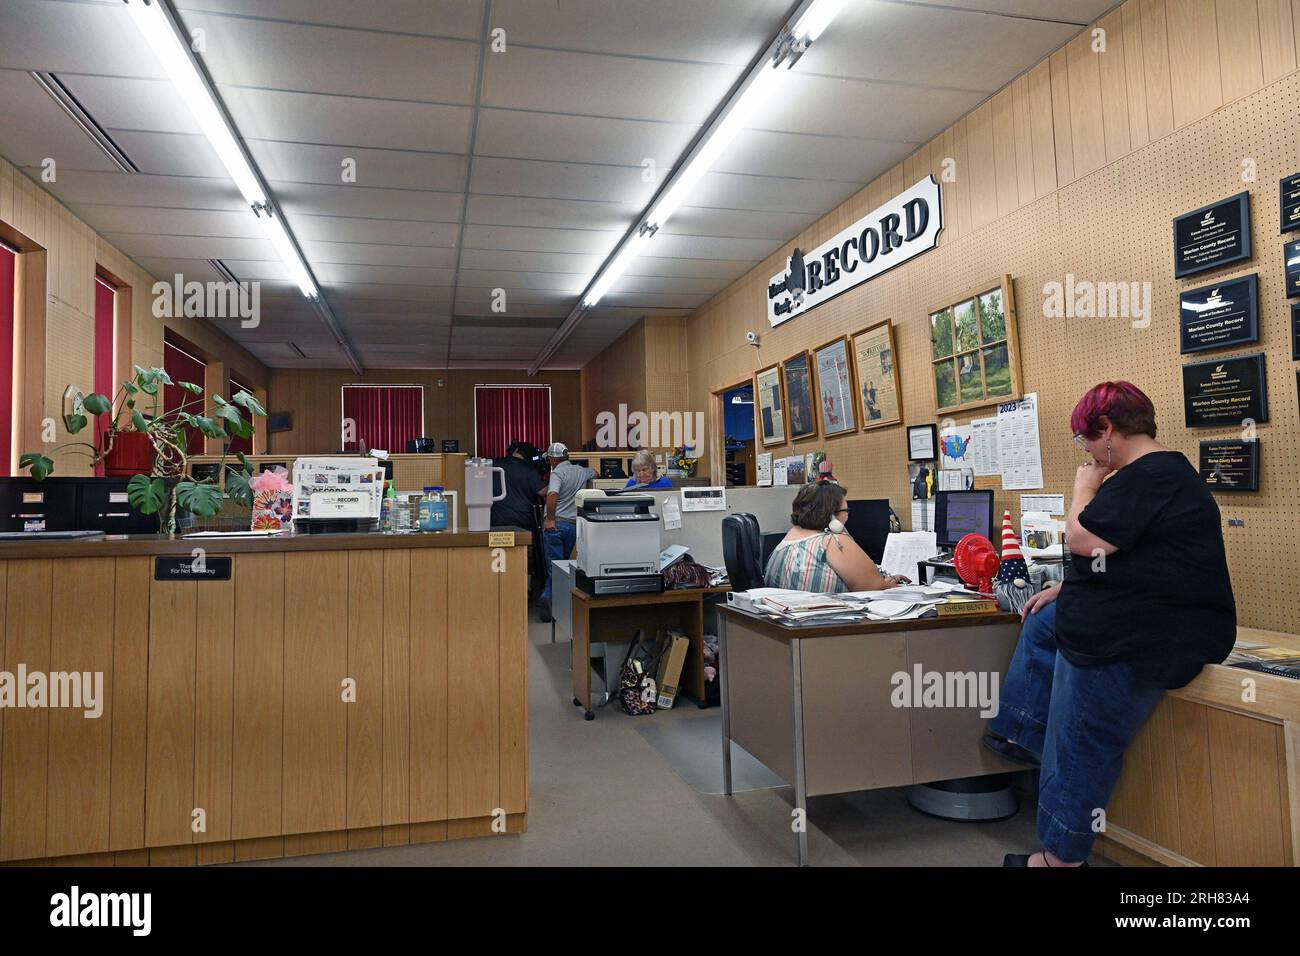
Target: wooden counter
225 733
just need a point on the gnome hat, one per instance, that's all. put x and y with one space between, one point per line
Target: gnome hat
1013 561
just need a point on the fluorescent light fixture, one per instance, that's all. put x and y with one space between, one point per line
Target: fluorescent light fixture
181 67
754 92
816 19
273 226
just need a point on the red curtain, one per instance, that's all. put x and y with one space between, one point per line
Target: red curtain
8 265
104 298
183 367
384 416
238 444
509 413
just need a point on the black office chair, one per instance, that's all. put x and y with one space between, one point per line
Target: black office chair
742 551
770 540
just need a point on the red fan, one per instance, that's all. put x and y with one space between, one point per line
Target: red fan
976 562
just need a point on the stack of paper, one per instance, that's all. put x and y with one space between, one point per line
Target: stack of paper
337 488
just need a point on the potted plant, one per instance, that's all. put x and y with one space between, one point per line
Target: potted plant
162 487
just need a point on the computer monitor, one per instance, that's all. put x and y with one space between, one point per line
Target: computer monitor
868 525
612 468
959 513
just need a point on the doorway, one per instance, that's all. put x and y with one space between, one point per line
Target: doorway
738 435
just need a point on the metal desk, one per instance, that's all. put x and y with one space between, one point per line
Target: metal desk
816 704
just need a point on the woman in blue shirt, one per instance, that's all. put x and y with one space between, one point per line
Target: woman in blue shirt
643 473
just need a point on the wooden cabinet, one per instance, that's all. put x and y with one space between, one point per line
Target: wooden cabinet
319 699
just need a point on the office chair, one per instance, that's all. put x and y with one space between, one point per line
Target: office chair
770 540
742 549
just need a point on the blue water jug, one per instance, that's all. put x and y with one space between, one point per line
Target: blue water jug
433 510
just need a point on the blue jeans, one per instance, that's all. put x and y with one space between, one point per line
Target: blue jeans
557 545
1078 721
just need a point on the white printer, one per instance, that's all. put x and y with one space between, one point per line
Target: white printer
618 543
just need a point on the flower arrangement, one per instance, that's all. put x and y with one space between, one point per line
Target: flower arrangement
272 500
683 461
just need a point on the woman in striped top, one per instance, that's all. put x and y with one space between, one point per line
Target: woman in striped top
816 555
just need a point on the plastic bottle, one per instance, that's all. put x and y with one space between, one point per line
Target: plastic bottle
433 510
387 512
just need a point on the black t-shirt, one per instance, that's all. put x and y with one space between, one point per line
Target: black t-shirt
1164 599
523 481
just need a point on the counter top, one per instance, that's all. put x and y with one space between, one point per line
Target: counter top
111 546
782 632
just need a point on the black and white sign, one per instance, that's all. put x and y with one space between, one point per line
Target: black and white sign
902 228
1230 465
1290 201
1295 332
1219 315
191 569
922 442
1291 261
1212 236
1226 392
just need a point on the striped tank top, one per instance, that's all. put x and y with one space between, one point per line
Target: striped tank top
803 566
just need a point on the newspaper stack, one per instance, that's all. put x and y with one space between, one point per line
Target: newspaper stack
335 488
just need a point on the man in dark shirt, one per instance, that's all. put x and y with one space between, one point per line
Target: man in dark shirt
524 485
1146 603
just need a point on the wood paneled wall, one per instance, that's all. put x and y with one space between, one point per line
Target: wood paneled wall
314 396
646 369
1077 167
65 351
227 696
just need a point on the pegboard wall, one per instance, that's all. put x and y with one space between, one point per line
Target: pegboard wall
1113 224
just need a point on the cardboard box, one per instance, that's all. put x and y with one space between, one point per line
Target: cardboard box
670 669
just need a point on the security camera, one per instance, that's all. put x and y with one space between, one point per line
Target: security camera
752 338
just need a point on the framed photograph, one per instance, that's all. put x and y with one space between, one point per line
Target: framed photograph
974 349
799 392
1220 315
875 361
1212 236
769 404
836 407
922 442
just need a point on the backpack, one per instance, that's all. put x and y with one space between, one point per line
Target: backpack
637 691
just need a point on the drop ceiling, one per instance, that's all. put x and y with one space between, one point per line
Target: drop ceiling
477 170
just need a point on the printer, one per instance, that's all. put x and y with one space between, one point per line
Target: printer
618 543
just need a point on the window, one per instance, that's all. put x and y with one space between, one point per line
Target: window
510 413
382 416
238 444
181 366
974 358
8 267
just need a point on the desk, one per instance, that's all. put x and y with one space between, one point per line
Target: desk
616 618
815 704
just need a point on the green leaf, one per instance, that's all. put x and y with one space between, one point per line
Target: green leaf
244 462
191 387
208 426
37 465
202 498
74 423
130 388
249 402
241 428
218 400
148 387
160 375
138 422
237 486
97 404
147 495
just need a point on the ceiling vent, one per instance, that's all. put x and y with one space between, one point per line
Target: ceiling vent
52 85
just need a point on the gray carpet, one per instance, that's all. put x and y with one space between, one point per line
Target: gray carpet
693 748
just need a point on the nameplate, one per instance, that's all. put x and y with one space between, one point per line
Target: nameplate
501 539
192 569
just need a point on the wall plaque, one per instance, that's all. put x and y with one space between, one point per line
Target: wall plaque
1290 202
1212 236
1225 392
208 568
1291 266
1217 316
1230 465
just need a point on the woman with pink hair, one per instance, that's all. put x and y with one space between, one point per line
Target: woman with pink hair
1145 604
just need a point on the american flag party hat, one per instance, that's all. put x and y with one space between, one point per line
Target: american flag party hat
1013 562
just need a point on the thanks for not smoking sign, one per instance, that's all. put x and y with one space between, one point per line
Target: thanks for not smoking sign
902 228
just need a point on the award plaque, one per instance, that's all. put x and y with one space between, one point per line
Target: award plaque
1291 202
1217 316
1212 236
1291 265
1225 392
1230 464
1295 332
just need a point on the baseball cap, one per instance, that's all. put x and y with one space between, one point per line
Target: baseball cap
557 450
